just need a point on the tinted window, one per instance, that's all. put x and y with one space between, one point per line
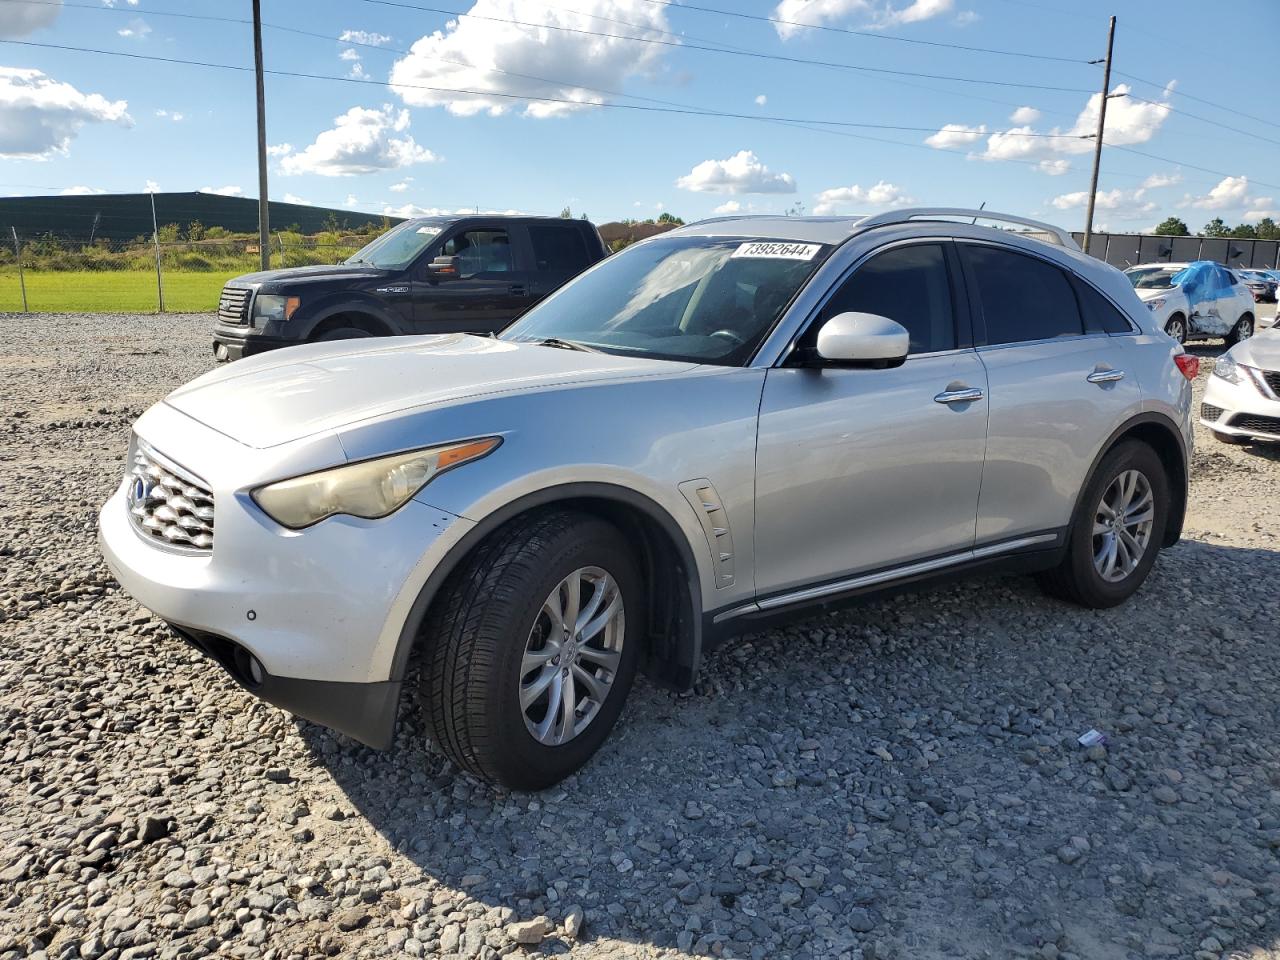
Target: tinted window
909 285
1099 314
558 247
1022 298
480 251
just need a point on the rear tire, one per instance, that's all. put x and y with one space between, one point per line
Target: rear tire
1099 569
491 643
1243 330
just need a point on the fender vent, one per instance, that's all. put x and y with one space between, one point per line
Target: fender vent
706 504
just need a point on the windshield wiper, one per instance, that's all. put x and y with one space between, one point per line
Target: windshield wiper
565 345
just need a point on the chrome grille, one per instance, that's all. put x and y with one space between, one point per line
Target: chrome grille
233 305
167 504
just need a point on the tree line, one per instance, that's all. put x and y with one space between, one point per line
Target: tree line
1264 229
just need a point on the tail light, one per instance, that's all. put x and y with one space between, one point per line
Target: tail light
1188 364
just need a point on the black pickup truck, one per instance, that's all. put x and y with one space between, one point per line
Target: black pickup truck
426 275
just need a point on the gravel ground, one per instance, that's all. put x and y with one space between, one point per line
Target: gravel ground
897 781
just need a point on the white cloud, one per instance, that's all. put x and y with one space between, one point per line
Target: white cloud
1157 180
729 206
39 116
228 191
882 194
1054 167
400 187
20 19
294 198
1123 204
413 210
1253 216
761 100
877 13
966 17
151 187
79 191
1231 193
361 141
741 173
351 200
1025 115
954 135
349 54
468 54
173 115
279 149
361 36
137 28
357 72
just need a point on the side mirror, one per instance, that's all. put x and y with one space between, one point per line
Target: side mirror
863 339
443 267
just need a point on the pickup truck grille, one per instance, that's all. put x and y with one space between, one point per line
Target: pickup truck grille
233 305
167 504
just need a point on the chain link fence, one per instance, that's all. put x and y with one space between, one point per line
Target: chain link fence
85 275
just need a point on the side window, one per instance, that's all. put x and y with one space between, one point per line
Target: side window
1100 316
480 251
908 284
558 248
1023 298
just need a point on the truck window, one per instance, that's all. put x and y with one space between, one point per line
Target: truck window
480 251
558 247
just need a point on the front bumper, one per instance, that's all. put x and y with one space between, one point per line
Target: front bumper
308 620
233 341
1241 409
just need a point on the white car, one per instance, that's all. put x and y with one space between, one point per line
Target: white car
1224 310
1242 398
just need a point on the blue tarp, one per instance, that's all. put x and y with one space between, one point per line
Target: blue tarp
1203 281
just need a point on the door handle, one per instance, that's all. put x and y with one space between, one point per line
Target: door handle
1106 376
959 395
517 289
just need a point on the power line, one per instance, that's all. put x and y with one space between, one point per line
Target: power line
1195 116
690 111
870 34
754 54
1209 103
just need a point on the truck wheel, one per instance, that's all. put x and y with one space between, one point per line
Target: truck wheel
531 648
1115 538
1177 328
343 333
1243 330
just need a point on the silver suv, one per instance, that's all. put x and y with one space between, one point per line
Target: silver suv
735 421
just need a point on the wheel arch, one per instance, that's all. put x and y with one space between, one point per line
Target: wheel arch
376 319
673 648
1163 436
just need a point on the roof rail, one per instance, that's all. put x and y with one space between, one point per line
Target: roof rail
1055 234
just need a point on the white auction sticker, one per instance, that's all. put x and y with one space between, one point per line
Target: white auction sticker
778 251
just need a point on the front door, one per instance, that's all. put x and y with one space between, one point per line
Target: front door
489 289
859 470
1057 391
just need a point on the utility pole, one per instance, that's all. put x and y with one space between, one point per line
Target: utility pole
155 238
1097 143
264 218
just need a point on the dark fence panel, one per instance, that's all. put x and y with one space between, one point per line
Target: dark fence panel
1126 249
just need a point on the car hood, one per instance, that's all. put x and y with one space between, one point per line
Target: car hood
297 392
1262 350
312 274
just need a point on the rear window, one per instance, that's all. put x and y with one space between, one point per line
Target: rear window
559 247
1023 298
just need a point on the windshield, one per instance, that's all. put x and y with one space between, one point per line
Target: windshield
399 246
699 299
1156 278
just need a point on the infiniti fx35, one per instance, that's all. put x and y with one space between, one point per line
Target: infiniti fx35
734 421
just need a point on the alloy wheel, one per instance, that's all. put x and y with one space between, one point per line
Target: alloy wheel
1244 329
1178 330
571 656
1122 526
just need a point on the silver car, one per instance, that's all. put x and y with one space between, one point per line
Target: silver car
739 420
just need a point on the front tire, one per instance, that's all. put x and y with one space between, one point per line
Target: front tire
1243 330
531 649
1177 328
343 333
1120 524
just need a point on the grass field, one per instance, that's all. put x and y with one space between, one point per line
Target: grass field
111 291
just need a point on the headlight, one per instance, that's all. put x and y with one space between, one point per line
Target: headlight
1155 304
369 489
1227 369
269 306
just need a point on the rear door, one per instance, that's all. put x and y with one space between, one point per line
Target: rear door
858 470
559 252
490 288
1057 390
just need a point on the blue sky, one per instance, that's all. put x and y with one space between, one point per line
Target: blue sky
76 121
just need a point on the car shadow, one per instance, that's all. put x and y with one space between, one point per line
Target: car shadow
902 778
